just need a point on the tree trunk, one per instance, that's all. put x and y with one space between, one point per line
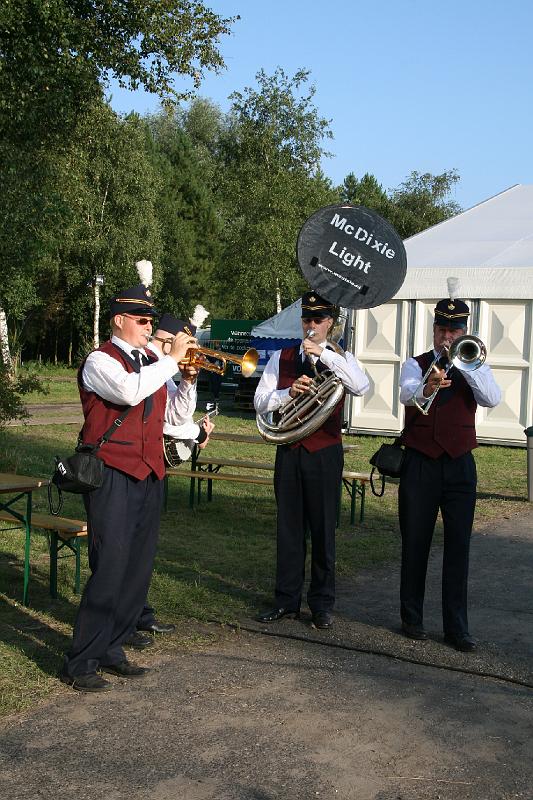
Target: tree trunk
96 335
278 297
4 341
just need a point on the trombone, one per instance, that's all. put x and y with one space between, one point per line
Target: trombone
467 353
199 357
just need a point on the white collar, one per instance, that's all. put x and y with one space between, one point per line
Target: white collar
126 346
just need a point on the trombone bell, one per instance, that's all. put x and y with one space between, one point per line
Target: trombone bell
467 353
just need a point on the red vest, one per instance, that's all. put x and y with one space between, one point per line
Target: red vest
450 425
135 448
290 368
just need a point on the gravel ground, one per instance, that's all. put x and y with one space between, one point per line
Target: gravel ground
358 713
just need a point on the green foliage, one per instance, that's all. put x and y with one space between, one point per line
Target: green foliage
366 192
54 54
419 202
14 387
79 187
188 218
270 182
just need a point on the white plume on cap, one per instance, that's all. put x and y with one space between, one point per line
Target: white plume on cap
144 271
198 316
453 288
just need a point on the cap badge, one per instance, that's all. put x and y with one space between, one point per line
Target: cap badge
312 299
451 306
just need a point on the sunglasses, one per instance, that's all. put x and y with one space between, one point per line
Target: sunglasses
139 320
316 320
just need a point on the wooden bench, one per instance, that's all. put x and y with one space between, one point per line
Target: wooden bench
208 467
62 533
355 484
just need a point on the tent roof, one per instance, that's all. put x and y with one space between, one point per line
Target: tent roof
285 325
489 248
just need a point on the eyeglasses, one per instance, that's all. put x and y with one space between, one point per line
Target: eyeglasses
316 320
139 320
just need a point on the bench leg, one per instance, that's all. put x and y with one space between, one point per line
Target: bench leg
27 548
353 502
53 563
191 493
362 509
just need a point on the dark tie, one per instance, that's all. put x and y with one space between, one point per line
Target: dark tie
140 358
142 361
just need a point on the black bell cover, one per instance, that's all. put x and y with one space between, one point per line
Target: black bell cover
351 256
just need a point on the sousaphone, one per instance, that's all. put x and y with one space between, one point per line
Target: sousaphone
355 259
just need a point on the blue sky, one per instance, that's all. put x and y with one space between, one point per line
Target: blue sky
408 85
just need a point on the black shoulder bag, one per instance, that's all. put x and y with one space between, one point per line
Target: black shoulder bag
82 472
388 461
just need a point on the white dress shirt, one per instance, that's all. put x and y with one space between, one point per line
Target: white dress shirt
106 376
486 391
268 397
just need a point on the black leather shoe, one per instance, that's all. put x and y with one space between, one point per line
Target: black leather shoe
461 641
125 670
322 619
157 627
414 631
91 682
277 613
138 640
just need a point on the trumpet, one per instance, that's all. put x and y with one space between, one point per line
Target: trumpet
467 353
199 357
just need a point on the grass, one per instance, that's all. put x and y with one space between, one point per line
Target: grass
59 384
215 561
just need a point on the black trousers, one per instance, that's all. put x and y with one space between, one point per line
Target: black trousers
123 525
427 485
307 494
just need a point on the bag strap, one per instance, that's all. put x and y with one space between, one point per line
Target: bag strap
372 486
114 427
54 509
108 434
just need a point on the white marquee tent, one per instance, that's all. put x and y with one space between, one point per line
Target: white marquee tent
490 249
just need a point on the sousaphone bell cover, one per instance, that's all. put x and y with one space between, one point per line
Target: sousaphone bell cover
351 256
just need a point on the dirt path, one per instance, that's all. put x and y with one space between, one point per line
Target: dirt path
52 414
303 714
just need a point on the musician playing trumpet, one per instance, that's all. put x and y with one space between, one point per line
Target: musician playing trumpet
178 423
123 513
308 472
439 472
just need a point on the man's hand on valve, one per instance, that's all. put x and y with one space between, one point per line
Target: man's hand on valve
300 385
436 380
181 343
189 372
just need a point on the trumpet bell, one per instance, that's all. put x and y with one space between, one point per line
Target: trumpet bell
249 362
215 360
